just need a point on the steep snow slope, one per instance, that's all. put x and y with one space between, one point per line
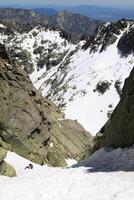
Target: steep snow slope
74 76
73 183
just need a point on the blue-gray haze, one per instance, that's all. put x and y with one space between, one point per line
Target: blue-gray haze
113 3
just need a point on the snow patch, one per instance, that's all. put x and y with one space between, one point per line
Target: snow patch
78 183
70 162
2 26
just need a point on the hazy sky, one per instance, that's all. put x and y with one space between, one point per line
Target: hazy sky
113 3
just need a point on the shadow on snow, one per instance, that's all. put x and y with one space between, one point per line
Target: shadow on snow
109 160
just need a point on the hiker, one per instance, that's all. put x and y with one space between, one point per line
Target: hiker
30 166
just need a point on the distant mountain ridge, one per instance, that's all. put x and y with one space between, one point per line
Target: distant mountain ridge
92 11
46 11
98 12
74 24
103 13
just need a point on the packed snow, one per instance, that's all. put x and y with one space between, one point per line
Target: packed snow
106 175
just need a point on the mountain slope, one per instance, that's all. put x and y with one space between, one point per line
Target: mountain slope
32 126
84 80
75 24
46 11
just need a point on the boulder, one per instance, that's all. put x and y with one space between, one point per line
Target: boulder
56 158
7 170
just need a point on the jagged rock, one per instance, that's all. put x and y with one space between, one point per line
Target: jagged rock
119 130
126 43
29 123
56 158
106 35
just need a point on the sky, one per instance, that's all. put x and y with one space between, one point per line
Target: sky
111 3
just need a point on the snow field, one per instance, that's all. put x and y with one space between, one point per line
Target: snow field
77 183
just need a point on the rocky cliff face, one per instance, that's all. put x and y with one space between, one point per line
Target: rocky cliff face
32 126
119 130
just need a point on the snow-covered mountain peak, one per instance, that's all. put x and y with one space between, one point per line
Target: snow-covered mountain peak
107 34
83 79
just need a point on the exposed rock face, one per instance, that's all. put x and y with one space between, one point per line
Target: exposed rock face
29 123
119 130
68 132
126 43
21 117
106 35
